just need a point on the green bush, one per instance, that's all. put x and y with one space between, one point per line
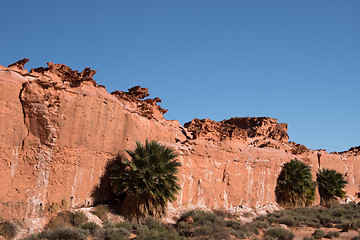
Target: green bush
288 220
112 234
90 227
261 224
223 213
332 234
8 230
152 229
61 234
205 230
184 229
67 219
318 234
201 217
252 228
278 234
102 212
199 224
127 225
78 219
326 220
336 215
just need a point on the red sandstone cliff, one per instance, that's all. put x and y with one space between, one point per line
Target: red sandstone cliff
58 129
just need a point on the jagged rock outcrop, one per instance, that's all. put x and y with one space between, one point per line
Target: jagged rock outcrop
238 128
261 127
58 130
147 108
19 64
352 151
216 131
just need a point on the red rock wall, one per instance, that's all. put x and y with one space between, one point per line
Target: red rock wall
58 129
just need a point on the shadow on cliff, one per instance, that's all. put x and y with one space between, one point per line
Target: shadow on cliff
103 193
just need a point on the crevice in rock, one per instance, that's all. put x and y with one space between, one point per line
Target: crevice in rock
24 115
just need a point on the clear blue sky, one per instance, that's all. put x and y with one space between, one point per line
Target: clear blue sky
297 61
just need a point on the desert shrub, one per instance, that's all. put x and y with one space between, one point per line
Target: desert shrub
313 224
112 234
201 217
332 234
152 229
67 219
205 230
252 228
152 223
336 215
158 235
57 223
223 213
357 224
356 238
215 232
78 218
318 234
294 186
90 227
147 182
240 230
288 220
102 212
326 220
184 229
344 223
337 211
199 224
8 230
62 234
283 217
261 224
236 225
278 234
126 225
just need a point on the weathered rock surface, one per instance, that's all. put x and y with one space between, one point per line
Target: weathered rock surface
58 129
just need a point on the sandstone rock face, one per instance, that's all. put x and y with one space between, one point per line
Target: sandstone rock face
58 130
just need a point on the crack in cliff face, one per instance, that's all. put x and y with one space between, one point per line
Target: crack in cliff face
40 107
24 116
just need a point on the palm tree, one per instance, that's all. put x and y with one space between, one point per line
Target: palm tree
295 186
147 182
330 185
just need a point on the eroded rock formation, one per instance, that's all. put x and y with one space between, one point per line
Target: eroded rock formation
58 130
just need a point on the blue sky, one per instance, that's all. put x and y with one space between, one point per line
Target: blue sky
297 61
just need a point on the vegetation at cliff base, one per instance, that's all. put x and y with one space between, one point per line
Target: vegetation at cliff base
8 229
294 186
330 185
147 182
327 222
340 216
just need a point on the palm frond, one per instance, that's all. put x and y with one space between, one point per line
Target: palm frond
295 186
149 178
